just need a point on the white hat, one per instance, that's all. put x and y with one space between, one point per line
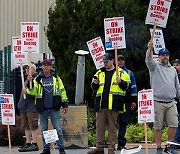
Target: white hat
32 65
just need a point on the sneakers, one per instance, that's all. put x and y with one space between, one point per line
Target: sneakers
177 147
159 150
96 151
61 151
45 151
25 145
170 150
28 148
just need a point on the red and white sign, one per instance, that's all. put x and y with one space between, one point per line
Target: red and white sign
7 109
114 33
19 57
145 106
158 12
97 51
158 40
30 37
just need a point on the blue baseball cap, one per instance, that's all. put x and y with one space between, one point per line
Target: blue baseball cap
163 51
121 57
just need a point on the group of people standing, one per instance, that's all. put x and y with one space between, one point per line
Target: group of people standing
116 96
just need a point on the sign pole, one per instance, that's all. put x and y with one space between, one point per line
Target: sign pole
151 40
30 74
9 138
116 61
145 133
22 79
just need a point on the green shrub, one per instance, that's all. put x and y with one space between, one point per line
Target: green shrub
135 133
164 134
91 139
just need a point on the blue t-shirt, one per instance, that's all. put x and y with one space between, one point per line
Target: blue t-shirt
48 92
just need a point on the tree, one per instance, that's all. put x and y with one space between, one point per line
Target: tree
72 23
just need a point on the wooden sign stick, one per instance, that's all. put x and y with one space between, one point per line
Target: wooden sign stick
145 133
30 58
116 61
151 40
22 79
9 138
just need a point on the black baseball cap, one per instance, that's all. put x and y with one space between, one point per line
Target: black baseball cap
107 57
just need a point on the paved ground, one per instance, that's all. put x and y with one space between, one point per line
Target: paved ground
5 150
151 150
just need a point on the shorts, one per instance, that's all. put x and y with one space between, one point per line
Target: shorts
29 120
165 111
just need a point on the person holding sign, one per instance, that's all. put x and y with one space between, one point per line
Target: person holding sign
130 104
29 117
111 90
165 85
176 65
50 96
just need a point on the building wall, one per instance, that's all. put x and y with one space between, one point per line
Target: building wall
13 12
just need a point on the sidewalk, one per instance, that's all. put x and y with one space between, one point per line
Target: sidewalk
151 149
5 150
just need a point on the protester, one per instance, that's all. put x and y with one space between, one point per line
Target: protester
176 65
110 95
130 104
29 117
50 96
165 85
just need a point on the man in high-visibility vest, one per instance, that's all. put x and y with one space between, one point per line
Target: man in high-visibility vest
110 95
50 95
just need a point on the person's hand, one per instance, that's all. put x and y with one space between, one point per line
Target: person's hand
65 110
24 91
95 80
29 77
118 79
133 106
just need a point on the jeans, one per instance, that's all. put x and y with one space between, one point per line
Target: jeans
123 120
177 136
55 120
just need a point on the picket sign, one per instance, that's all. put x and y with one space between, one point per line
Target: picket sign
158 12
30 41
158 40
114 35
8 113
145 110
97 51
157 15
19 57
